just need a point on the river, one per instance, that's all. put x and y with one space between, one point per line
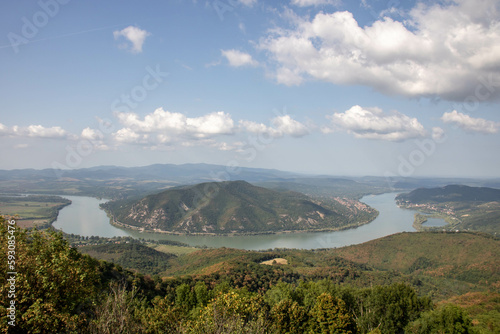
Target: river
84 217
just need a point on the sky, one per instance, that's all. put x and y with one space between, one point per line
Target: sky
352 88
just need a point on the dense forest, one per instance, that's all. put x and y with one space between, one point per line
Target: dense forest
58 289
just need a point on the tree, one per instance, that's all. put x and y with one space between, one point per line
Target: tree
55 284
184 297
330 315
233 312
389 308
288 317
449 319
116 313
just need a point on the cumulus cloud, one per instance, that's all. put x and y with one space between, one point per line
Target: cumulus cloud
306 3
164 126
280 126
436 50
34 131
373 123
161 120
134 35
237 58
168 129
127 135
95 137
470 124
438 134
91 134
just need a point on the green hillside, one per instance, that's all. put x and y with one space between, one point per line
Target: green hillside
131 255
463 207
378 287
467 257
234 207
451 193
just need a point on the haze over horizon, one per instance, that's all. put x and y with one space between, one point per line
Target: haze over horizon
397 88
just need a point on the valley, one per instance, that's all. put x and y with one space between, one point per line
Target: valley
350 245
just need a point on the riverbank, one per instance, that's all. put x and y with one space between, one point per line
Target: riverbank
118 224
84 217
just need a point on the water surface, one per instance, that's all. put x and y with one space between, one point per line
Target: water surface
84 217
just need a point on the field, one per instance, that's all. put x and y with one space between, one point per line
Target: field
171 249
33 210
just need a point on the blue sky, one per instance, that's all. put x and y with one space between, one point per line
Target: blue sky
387 88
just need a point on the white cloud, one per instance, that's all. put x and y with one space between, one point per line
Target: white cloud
373 123
36 131
306 3
438 133
126 135
164 125
438 50
4 130
91 134
134 35
95 137
237 58
470 124
280 126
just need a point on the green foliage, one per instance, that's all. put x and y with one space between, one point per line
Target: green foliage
131 255
184 298
60 290
449 319
389 308
54 282
330 315
288 317
232 312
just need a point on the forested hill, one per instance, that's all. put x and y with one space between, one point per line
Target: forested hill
234 207
451 193
60 290
463 207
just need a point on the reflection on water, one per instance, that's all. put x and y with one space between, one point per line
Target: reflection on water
84 217
434 222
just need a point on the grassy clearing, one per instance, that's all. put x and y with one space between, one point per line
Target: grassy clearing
177 250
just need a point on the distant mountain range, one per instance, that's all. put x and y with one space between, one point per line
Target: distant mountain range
124 182
226 207
185 173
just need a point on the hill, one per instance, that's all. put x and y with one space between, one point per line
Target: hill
463 207
232 207
451 193
134 256
466 257
64 291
